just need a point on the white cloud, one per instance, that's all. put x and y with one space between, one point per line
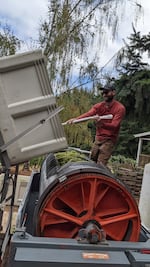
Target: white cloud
23 16
144 23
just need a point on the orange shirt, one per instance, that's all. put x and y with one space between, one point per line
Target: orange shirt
107 129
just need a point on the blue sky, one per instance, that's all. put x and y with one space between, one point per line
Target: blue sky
25 16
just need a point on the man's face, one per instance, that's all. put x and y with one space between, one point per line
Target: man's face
108 95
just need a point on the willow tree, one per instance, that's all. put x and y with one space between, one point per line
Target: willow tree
73 34
9 43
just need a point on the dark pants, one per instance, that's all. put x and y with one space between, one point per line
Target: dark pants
101 151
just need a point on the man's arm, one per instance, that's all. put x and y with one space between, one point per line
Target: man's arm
91 112
116 121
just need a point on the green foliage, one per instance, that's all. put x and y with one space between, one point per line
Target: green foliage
122 160
92 127
134 91
75 103
69 156
36 162
9 43
115 162
130 58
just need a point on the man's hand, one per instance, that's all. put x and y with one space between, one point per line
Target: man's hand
98 121
97 118
70 121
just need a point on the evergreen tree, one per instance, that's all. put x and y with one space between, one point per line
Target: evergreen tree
130 57
134 82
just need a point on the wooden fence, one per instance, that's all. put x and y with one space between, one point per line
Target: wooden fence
132 179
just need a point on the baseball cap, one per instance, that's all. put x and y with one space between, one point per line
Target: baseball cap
108 87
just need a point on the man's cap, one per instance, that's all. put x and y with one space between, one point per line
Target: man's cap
108 87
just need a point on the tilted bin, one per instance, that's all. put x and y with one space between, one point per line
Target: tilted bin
26 105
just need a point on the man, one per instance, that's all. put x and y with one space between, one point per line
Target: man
107 131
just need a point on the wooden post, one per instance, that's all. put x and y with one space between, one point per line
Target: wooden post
144 202
139 151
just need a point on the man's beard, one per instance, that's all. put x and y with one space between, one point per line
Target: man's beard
109 99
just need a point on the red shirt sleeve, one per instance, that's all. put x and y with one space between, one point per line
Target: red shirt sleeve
91 112
117 118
